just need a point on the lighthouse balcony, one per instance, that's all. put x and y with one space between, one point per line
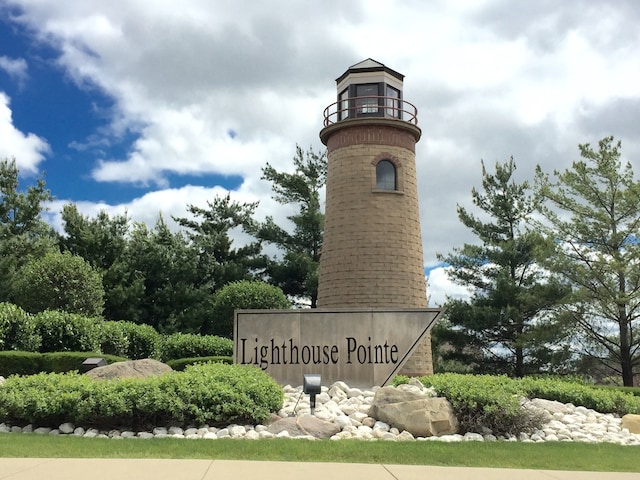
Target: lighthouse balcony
388 107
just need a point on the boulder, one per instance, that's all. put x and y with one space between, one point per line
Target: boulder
130 369
418 414
631 422
304 426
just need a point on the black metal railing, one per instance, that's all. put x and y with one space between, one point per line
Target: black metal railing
370 106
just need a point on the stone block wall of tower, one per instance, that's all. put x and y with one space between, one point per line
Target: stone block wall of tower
363 224
372 246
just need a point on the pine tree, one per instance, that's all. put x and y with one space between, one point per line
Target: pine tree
504 326
296 271
24 235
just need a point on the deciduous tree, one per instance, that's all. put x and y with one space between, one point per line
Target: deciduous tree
59 281
592 211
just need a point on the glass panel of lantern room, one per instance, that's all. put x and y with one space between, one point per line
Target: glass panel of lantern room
392 100
367 99
343 108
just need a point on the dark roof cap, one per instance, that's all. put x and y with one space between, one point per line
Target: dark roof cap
369 65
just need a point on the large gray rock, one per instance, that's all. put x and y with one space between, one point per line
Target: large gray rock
418 414
130 369
303 426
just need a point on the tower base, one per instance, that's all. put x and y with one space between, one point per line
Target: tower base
421 362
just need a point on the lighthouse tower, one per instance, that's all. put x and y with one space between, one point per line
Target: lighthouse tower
372 246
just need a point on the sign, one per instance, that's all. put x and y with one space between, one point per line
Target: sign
362 347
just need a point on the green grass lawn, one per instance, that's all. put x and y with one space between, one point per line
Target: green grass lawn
549 456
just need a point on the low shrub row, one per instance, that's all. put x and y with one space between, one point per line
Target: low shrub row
180 364
57 331
212 393
609 400
29 363
484 401
494 402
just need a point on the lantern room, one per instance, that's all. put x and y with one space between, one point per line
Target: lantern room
370 89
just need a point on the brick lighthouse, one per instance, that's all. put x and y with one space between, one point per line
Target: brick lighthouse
372 247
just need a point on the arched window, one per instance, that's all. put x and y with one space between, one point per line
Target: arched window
385 175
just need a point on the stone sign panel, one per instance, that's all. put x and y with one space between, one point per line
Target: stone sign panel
362 347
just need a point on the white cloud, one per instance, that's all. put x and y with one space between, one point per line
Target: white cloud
489 80
440 288
28 150
15 68
173 202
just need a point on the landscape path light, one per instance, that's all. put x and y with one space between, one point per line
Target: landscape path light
312 386
93 362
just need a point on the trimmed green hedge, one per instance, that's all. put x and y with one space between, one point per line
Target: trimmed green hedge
635 391
607 400
58 331
30 363
213 394
180 364
61 362
183 345
15 362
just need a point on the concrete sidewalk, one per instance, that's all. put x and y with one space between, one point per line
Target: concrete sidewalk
153 469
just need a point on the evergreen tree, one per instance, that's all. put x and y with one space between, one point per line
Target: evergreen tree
102 242
296 271
157 279
593 214
209 233
504 327
24 235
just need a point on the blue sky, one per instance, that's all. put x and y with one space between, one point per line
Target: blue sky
146 107
71 117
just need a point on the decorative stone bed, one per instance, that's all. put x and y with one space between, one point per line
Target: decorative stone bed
344 413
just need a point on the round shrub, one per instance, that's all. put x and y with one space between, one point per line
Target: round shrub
242 295
59 281
114 339
68 332
484 401
182 345
217 393
144 341
17 329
